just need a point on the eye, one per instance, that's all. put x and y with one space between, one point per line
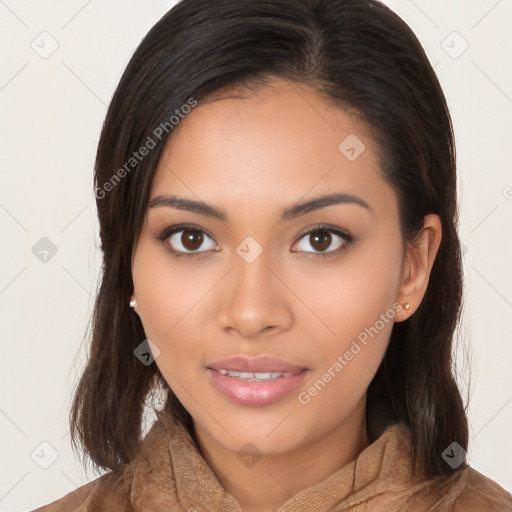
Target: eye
322 238
185 240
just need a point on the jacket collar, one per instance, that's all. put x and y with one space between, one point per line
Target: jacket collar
169 460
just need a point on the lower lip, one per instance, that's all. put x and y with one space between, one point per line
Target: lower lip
255 393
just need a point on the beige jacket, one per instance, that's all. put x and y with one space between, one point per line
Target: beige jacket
169 474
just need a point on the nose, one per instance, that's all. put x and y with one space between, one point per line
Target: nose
254 301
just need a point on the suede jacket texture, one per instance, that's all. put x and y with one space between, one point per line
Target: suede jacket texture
169 474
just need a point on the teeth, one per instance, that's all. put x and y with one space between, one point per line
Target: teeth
256 376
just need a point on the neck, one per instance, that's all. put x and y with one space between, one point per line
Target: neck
275 478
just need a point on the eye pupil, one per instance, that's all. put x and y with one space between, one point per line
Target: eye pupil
191 240
323 240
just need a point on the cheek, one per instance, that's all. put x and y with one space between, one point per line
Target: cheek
351 294
168 297
163 295
359 312
355 301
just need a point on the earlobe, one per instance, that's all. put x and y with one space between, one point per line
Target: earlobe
418 262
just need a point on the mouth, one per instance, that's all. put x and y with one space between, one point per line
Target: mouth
255 365
257 376
249 390
255 381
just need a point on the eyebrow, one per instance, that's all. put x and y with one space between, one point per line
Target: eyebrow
289 213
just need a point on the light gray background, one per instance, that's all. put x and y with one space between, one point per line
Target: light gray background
51 113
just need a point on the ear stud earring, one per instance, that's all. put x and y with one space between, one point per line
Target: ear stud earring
132 303
407 306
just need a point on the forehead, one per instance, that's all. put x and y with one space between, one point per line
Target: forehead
279 140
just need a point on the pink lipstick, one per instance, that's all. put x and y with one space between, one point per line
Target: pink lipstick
255 381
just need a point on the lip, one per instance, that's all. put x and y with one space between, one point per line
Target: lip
256 394
258 364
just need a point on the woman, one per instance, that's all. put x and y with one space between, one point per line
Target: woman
276 192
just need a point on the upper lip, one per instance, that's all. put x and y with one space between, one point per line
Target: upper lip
259 364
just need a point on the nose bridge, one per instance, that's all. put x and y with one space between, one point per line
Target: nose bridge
254 299
252 275
253 278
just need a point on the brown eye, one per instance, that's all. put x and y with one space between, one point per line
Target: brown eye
191 240
320 240
323 241
188 241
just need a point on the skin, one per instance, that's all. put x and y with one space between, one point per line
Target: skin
252 158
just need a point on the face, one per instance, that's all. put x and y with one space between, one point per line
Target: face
315 288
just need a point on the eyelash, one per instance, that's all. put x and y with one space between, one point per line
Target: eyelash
171 230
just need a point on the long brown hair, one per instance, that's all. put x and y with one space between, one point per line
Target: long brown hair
357 54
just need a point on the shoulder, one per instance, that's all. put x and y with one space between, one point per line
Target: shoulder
107 492
482 494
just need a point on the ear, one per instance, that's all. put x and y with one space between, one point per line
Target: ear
418 261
